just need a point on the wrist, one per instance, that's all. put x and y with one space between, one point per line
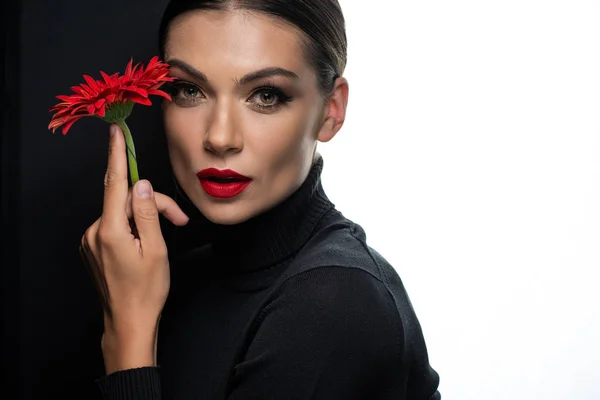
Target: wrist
127 346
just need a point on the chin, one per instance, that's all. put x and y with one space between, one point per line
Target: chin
225 214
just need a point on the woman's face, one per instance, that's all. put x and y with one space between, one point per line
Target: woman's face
245 99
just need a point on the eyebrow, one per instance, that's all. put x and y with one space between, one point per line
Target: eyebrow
252 76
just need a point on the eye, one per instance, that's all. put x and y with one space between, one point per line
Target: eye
190 91
185 93
267 98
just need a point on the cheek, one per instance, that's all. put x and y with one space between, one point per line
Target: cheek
183 130
283 137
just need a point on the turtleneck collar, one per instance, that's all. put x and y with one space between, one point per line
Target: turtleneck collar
259 242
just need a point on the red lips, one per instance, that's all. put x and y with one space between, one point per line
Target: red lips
222 184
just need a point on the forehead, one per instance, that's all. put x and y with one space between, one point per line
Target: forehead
238 39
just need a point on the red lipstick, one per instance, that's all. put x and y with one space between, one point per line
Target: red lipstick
222 184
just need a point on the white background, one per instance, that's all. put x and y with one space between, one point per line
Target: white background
471 156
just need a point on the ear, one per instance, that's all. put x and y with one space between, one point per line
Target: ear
335 110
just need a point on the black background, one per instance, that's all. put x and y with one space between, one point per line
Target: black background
52 185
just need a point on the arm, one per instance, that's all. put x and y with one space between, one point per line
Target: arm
330 333
130 364
130 267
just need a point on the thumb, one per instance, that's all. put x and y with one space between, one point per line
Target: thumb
145 215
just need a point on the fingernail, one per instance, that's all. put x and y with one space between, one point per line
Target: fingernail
144 189
113 130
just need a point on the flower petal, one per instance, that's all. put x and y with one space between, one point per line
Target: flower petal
68 125
106 78
129 69
160 93
92 83
99 103
140 100
138 90
78 90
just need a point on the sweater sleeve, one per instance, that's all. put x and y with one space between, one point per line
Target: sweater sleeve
131 384
332 333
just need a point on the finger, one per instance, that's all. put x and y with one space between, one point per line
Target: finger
115 180
87 246
145 215
98 281
86 250
166 206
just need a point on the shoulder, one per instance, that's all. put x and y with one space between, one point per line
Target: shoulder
341 243
337 261
336 241
341 306
339 280
327 332
335 309
336 290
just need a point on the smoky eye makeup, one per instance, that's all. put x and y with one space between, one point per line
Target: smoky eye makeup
184 92
265 95
269 96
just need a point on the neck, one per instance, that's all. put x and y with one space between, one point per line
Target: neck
261 241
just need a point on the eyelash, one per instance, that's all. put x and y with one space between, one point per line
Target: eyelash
174 88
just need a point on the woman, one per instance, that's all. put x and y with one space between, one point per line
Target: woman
272 293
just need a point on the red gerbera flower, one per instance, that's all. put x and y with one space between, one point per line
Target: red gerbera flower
112 99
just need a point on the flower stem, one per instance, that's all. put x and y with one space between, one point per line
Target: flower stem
132 161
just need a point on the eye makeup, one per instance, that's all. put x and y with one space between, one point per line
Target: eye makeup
184 93
266 97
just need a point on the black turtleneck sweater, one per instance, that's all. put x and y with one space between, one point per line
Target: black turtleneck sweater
292 304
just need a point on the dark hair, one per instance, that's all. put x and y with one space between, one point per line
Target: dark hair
321 20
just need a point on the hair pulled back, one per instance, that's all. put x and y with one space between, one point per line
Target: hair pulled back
322 22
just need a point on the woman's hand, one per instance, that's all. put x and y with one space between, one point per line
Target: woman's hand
127 256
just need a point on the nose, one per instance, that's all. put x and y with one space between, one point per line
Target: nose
221 136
